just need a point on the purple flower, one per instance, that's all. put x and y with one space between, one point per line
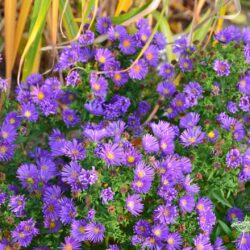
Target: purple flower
218 244
246 35
73 78
160 231
151 55
113 247
29 112
13 119
203 205
202 242
91 214
134 205
228 34
142 228
71 244
192 136
165 214
141 185
187 203
222 68
194 88
119 78
232 107
174 241
3 84
68 211
3 198
150 143
103 24
244 85
244 103
247 53
162 130
24 232
179 102
235 214
139 70
74 150
52 225
243 241
167 71
206 221
112 154
17 205
99 85
233 158
127 45
78 230
107 195
8 133
189 120
159 40
70 117
185 65
189 187
103 56
166 89
87 38
213 135
88 177
95 232
117 32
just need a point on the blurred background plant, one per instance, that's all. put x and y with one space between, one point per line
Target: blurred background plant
33 30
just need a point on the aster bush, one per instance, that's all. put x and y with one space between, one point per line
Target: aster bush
130 152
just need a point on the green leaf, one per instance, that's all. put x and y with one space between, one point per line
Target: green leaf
215 194
225 227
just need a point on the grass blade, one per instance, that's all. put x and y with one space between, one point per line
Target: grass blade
39 15
123 5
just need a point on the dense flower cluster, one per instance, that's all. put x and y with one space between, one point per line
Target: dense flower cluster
101 173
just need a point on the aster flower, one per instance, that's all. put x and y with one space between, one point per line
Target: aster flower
119 78
88 177
68 58
103 56
181 45
189 187
29 112
244 85
203 205
187 203
141 185
17 204
28 174
166 71
70 243
95 232
151 55
24 232
47 168
144 171
117 32
134 205
213 135
228 34
179 102
159 231
139 70
99 85
103 24
127 45
3 84
52 192
3 198
247 53
185 64
218 244
166 88
235 214
112 154
202 242
95 135
78 230
244 103
115 129
70 117
142 35
73 78
113 247
150 143
39 94
131 156
52 225
142 228
51 209
189 120
107 195
71 175
174 241
159 40
222 68
68 211
232 107
194 88
243 241
206 221
87 38
233 158
192 136
8 133
74 150
162 130
165 214
13 119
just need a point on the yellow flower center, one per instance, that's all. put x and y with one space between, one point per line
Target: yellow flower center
27 114
144 38
52 225
96 230
126 43
166 212
211 134
171 241
102 59
70 118
5 134
70 97
139 183
137 68
40 96
30 180
243 83
131 204
82 229
68 246
166 91
184 202
117 76
192 140
141 173
149 56
169 110
200 207
110 156
131 159
243 241
157 232
179 103
200 247
165 182
163 145
3 149
97 86
12 121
